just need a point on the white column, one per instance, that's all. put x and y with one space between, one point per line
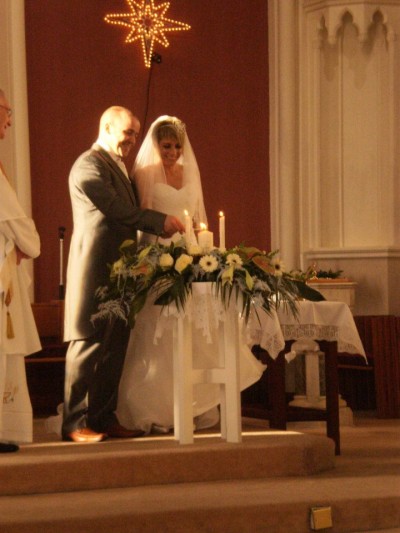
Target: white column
14 151
284 130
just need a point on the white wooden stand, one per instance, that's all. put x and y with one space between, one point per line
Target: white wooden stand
226 375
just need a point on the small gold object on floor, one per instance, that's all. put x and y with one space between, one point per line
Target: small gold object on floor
320 518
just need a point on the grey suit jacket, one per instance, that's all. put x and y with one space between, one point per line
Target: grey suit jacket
105 213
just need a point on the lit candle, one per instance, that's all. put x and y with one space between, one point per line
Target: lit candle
221 231
188 227
205 238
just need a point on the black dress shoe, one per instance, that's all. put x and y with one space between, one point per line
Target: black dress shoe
117 431
6 447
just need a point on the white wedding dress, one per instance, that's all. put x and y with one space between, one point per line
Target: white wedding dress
146 388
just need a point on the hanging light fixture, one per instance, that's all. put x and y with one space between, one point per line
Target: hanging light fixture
148 24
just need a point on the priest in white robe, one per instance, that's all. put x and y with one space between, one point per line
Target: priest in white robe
19 240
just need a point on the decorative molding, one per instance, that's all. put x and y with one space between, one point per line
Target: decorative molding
353 253
361 11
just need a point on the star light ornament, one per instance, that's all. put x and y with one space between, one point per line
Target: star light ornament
148 24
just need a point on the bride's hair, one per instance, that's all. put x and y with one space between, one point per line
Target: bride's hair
170 128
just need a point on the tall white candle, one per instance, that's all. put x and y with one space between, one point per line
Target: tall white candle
222 231
205 238
188 227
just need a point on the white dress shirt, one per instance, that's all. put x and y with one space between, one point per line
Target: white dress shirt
115 157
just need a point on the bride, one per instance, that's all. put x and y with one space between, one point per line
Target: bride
167 179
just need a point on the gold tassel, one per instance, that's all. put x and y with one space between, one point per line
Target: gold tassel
10 328
8 298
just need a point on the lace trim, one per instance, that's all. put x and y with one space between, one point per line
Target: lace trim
347 341
203 309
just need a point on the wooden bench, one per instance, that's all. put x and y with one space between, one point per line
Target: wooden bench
45 369
380 335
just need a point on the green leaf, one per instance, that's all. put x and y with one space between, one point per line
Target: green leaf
249 281
306 292
227 276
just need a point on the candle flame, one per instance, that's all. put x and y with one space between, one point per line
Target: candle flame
186 212
203 226
221 213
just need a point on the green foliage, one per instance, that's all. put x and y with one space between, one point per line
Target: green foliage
166 273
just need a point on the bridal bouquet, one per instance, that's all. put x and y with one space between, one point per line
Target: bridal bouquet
167 273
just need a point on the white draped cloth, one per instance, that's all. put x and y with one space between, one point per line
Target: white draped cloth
329 321
314 321
16 229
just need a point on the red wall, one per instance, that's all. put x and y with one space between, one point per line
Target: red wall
214 77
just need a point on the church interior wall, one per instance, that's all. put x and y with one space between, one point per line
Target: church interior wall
214 77
348 140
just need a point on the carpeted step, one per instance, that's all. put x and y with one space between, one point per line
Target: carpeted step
63 467
274 505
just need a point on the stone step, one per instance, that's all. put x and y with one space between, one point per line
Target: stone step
63 467
273 505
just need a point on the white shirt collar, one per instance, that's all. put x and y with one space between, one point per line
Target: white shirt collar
107 148
113 155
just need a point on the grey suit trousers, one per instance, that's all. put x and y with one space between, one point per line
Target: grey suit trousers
92 374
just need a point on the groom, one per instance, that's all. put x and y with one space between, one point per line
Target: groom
105 213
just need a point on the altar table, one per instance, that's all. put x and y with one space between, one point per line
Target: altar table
332 325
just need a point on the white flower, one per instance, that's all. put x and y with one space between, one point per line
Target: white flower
234 260
278 266
195 249
208 263
182 262
166 260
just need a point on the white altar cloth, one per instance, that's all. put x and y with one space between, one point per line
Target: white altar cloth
333 324
329 321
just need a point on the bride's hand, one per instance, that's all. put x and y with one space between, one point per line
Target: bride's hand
172 225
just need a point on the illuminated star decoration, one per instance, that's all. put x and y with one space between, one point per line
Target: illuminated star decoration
148 24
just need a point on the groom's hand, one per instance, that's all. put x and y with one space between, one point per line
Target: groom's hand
172 225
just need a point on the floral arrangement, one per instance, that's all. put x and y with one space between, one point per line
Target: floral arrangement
167 272
312 274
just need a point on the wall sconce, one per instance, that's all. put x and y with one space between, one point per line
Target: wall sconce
148 24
